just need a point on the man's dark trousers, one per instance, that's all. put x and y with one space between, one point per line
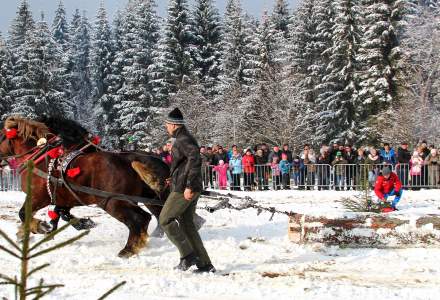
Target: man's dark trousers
176 220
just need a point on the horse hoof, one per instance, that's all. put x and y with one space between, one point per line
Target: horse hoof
124 253
44 227
83 224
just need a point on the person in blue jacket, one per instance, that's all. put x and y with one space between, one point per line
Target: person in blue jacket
388 155
285 166
236 169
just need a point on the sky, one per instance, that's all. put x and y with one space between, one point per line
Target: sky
9 8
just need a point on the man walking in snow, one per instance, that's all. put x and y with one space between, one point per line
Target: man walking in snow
178 212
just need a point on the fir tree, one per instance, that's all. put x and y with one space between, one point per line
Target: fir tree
280 17
174 65
107 104
79 72
101 54
337 101
44 72
207 51
236 48
379 55
60 28
137 106
19 32
5 78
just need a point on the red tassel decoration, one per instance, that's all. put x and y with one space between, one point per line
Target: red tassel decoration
55 152
52 214
11 133
96 140
387 209
72 173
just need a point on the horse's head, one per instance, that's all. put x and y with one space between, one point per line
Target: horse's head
20 135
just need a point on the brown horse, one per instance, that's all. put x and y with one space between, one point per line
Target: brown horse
105 171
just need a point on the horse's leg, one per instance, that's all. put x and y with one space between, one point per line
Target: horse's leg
155 210
79 224
36 225
136 219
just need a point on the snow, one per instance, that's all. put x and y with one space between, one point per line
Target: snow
254 258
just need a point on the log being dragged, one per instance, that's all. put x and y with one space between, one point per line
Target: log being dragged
366 230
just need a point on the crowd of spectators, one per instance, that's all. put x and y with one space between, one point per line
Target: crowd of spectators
262 166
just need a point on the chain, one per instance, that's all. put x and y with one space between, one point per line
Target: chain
49 172
246 203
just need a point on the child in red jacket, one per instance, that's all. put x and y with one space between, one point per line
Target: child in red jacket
388 184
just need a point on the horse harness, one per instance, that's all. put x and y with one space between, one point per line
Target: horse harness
64 161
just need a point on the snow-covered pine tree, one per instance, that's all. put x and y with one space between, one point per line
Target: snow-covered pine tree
138 107
79 72
174 65
5 78
236 48
100 56
379 57
107 104
280 17
337 107
60 27
45 72
207 50
20 28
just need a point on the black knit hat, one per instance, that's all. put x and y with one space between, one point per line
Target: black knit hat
175 117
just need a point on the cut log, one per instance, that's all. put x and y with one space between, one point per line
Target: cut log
365 230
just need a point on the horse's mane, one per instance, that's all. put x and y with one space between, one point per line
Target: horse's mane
27 129
70 132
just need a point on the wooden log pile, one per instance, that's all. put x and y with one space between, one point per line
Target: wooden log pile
366 230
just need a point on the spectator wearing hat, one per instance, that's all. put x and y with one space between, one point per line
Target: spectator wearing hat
309 159
388 184
432 162
403 159
339 167
248 162
212 161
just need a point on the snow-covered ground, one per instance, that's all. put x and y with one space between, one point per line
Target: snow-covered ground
253 255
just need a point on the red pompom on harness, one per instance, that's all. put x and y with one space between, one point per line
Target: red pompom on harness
72 173
96 140
55 152
52 214
11 133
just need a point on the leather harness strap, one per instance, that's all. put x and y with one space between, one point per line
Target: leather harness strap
96 192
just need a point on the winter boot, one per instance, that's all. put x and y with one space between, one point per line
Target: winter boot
209 268
187 262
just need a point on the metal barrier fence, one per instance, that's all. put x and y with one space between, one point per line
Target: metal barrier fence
316 176
9 181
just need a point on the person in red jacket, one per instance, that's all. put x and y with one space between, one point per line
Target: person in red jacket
388 184
248 162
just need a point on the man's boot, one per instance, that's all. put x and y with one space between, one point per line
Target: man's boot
209 268
187 262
